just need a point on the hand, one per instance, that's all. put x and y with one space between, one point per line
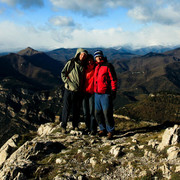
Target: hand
113 94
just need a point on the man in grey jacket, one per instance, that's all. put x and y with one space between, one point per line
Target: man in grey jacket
72 76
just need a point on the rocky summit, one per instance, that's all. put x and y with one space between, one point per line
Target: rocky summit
78 155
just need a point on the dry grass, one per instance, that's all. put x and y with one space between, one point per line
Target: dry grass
127 125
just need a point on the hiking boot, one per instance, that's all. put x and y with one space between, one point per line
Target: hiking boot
109 135
102 133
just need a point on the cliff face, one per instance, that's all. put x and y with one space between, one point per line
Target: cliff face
53 155
24 109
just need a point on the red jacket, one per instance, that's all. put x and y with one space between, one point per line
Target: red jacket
89 79
105 79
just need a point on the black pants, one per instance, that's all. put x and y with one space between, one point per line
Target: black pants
72 101
88 112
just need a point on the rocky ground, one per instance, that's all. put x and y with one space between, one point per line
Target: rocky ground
130 155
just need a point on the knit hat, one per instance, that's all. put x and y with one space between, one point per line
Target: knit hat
98 53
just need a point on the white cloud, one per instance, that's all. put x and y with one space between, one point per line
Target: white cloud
155 35
139 13
62 21
168 15
158 11
88 8
24 3
15 37
161 11
9 2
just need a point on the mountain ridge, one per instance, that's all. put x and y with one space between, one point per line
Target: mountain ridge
28 51
142 69
35 67
133 70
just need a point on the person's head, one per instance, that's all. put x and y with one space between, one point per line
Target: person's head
81 54
98 55
90 59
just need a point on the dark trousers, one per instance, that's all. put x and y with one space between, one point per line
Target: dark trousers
88 112
72 101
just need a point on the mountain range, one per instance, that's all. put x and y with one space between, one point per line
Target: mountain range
152 72
63 54
30 68
147 73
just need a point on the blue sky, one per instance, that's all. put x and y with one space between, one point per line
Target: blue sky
52 24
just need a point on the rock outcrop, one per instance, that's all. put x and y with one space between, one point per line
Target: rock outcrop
171 136
8 148
76 155
22 110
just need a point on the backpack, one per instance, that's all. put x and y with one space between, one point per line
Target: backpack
71 66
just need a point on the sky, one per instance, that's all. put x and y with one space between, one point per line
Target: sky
53 24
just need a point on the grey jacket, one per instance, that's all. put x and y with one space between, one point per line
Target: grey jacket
73 80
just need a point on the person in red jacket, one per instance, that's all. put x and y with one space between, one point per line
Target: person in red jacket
105 86
88 100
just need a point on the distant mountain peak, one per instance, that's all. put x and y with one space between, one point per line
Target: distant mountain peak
28 51
151 54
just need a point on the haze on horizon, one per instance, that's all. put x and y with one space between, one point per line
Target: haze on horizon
51 24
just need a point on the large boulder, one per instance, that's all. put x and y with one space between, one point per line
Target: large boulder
173 152
22 161
46 129
171 136
8 148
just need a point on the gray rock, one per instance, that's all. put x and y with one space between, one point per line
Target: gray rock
149 154
166 170
76 133
154 143
133 148
93 161
173 153
60 161
116 150
77 156
171 136
177 169
21 159
8 148
46 129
